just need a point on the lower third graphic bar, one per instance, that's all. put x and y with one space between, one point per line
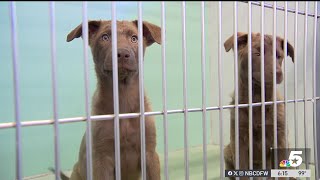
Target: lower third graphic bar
247 173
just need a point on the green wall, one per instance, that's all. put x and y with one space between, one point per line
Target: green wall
35 78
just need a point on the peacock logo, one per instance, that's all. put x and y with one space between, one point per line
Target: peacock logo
284 163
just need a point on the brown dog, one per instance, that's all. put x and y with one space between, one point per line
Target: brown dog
103 131
256 98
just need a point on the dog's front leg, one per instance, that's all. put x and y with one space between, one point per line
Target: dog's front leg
103 168
76 173
243 156
153 166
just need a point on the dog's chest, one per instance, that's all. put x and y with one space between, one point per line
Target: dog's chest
129 133
129 148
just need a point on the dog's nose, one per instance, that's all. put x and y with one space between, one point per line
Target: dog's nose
123 54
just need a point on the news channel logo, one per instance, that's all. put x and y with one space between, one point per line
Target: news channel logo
295 157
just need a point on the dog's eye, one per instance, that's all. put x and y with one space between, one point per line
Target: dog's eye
134 39
258 54
105 37
278 57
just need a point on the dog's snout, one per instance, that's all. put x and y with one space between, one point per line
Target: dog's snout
123 54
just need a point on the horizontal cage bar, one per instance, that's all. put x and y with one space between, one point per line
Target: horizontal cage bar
134 115
267 5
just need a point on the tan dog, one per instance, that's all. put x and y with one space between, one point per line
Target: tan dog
103 131
256 98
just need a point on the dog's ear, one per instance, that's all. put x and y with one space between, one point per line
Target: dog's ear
93 27
242 41
290 49
151 32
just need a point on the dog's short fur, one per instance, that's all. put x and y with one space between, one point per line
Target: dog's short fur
256 98
103 147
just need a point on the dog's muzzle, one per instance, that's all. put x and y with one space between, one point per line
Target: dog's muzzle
123 73
126 64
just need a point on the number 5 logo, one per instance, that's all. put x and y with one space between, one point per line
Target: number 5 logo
295 159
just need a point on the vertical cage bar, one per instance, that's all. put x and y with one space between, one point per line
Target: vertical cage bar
295 77
314 78
221 132
318 93
164 88
185 92
305 79
204 102
236 91
86 87
285 74
317 125
115 90
274 44
141 92
54 89
15 53
250 86
285 70
263 107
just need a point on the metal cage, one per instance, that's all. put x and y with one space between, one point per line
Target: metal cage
88 118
